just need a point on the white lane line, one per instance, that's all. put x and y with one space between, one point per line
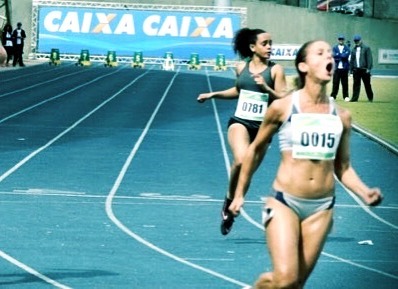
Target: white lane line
226 158
350 262
375 138
118 223
159 197
365 207
57 96
219 129
34 153
359 265
211 259
48 192
32 73
32 271
40 83
261 227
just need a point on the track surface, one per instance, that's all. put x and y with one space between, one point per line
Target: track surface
115 177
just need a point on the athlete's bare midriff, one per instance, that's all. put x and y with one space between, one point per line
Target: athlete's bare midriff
305 178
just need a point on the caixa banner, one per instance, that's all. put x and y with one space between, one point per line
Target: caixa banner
128 30
284 51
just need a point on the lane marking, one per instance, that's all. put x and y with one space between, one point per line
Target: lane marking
115 187
184 198
57 96
40 83
211 259
4 79
350 262
48 192
389 146
73 126
365 207
261 227
32 271
34 153
219 129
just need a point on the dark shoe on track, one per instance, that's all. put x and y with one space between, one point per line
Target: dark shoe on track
227 219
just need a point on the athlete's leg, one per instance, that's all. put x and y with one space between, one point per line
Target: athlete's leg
239 140
283 241
314 231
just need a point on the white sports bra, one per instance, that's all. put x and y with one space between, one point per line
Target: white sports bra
310 135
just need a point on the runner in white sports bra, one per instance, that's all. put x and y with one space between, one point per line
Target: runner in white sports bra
314 140
313 136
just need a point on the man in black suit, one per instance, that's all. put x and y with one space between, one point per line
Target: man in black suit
18 36
361 63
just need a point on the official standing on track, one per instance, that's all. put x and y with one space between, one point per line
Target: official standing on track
314 138
361 64
259 82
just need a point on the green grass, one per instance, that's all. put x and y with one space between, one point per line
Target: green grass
379 117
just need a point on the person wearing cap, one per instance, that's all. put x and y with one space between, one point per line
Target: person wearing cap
18 36
361 64
341 54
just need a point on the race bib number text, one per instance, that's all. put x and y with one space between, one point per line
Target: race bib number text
252 105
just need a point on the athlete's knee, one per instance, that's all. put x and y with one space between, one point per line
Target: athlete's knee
237 164
264 281
278 280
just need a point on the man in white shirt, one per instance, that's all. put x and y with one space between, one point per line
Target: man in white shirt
341 53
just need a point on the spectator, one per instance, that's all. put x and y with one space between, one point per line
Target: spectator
341 53
6 40
361 63
18 36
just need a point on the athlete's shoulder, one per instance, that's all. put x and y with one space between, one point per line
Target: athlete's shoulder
345 116
276 68
240 66
282 106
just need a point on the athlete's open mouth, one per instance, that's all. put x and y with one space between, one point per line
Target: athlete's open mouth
329 67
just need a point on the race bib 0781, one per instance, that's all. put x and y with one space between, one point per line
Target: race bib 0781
252 105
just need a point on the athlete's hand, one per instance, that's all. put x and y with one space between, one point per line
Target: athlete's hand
236 205
373 197
260 81
204 96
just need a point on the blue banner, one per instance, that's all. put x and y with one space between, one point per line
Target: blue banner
126 31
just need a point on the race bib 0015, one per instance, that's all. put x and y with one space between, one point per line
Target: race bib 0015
315 136
251 105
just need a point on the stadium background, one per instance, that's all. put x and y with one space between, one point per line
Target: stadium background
288 24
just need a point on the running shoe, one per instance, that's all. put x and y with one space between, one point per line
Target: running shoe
227 219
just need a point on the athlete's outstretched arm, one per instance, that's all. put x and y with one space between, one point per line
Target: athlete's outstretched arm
344 170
